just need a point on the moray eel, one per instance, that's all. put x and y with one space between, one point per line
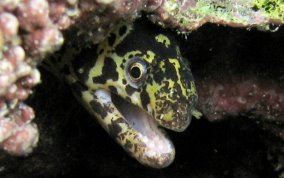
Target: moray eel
134 83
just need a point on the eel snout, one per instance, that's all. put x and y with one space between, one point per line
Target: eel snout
153 147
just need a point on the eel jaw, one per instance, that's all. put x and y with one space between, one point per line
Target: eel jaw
135 130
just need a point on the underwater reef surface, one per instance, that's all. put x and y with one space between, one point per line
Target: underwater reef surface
247 80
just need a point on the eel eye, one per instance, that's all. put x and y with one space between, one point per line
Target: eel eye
136 71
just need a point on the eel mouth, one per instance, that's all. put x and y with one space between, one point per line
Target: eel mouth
143 139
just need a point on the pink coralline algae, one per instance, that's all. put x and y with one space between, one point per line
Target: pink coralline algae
256 99
259 98
26 35
18 136
242 84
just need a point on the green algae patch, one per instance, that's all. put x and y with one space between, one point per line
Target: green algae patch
190 14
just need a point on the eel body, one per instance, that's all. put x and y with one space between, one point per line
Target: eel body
134 83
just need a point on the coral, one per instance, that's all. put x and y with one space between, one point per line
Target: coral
188 15
246 81
232 96
26 36
18 136
255 93
260 100
97 18
239 77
